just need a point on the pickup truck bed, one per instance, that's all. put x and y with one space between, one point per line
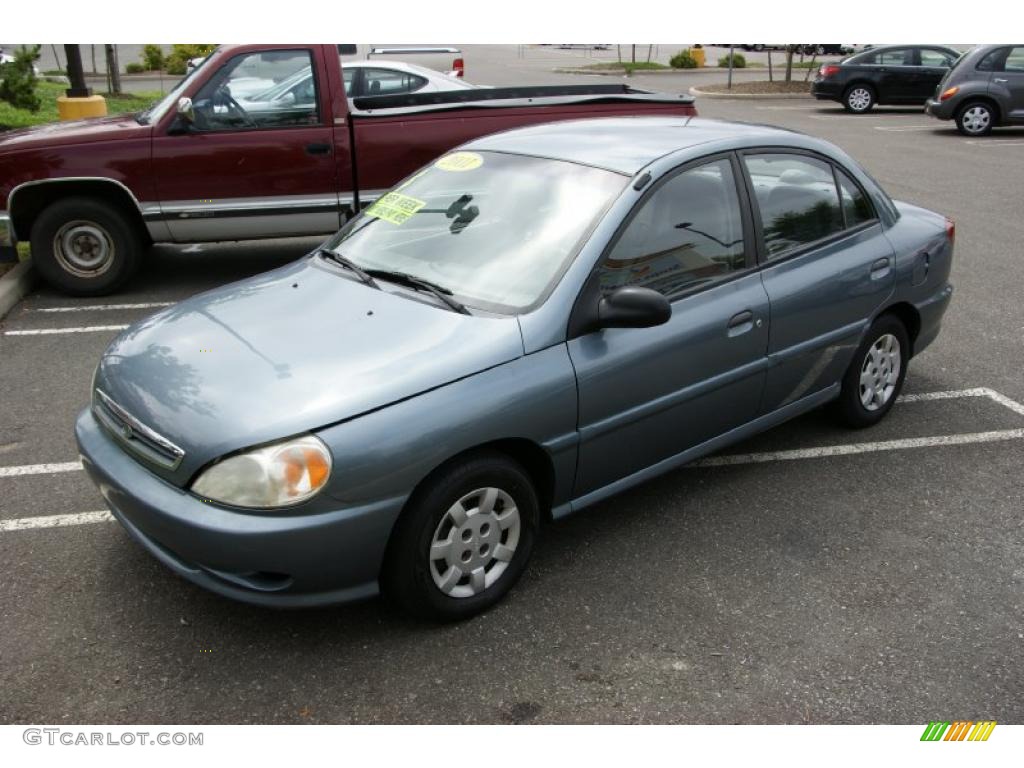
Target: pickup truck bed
91 195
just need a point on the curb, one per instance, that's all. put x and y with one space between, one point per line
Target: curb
14 285
694 91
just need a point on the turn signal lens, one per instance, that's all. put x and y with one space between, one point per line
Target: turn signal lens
950 231
277 475
949 93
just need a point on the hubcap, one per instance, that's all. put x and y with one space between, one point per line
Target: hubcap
474 542
880 372
859 99
83 248
976 119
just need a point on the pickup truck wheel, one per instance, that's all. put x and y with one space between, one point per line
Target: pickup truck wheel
464 539
85 247
975 119
859 98
875 376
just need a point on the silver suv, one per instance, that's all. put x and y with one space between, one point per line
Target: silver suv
985 88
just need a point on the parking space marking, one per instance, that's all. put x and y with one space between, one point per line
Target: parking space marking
55 521
102 307
901 128
54 331
40 469
995 143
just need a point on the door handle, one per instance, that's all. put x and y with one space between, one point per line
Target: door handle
740 323
318 149
999 79
880 268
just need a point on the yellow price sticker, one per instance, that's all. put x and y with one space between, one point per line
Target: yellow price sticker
460 161
395 207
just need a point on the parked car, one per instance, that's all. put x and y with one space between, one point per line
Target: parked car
983 90
891 74
520 329
826 49
198 166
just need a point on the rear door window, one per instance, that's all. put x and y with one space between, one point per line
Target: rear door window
1014 60
857 207
797 200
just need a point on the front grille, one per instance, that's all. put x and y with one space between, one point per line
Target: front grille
135 435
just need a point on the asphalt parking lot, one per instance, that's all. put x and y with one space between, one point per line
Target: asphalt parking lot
819 576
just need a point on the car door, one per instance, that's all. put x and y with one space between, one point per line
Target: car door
645 395
895 73
932 66
827 268
237 173
1008 84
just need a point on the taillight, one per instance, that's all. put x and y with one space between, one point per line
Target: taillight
950 231
827 70
459 68
949 93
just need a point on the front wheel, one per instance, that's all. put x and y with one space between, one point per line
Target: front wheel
975 119
464 539
875 376
85 247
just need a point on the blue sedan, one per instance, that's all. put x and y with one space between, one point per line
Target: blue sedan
528 325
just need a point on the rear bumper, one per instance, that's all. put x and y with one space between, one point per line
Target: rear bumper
6 230
826 89
931 311
286 560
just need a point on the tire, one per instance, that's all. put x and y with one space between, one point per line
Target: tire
975 118
85 247
862 402
859 98
757 47
820 50
445 588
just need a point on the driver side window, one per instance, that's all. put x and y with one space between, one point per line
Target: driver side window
268 89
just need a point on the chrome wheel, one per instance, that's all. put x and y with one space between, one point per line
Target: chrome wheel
859 99
474 542
83 248
880 372
976 119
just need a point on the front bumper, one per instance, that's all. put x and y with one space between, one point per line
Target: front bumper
291 560
943 110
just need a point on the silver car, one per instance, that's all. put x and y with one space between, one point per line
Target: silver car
528 325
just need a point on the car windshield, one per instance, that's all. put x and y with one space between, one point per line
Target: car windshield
158 108
495 229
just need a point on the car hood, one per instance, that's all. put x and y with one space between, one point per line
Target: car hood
286 352
73 132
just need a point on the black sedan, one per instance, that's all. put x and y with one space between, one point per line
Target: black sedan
891 74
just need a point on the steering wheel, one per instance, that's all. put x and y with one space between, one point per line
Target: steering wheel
234 108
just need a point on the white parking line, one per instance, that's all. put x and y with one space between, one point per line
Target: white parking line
102 307
55 521
995 143
54 331
849 449
40 469
902 128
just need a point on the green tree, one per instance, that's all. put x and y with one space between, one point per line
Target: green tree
152 56
18 80
177 62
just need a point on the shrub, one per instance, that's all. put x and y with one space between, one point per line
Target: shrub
18 80
683 60
152 56
738 62
134 69
177 62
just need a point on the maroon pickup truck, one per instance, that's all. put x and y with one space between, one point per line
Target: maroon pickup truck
259 141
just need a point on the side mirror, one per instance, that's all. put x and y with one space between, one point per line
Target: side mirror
633 307
185 111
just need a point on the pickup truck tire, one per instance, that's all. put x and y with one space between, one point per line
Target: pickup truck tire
85 247
463 539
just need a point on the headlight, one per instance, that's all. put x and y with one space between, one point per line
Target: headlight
277 475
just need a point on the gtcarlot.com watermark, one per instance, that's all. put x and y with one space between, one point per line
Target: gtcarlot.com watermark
72 737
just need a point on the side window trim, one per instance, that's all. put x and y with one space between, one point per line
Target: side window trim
755 211
750 257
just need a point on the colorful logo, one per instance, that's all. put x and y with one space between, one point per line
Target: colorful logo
958 730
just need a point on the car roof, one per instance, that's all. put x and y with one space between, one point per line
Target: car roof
628 144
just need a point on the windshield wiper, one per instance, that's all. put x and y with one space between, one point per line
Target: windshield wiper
418 283
350 265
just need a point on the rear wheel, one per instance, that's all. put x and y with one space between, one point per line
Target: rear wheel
464 540
859 99
975 118
85 247
875 376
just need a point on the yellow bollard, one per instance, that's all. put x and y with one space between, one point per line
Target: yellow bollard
75 108
698 56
